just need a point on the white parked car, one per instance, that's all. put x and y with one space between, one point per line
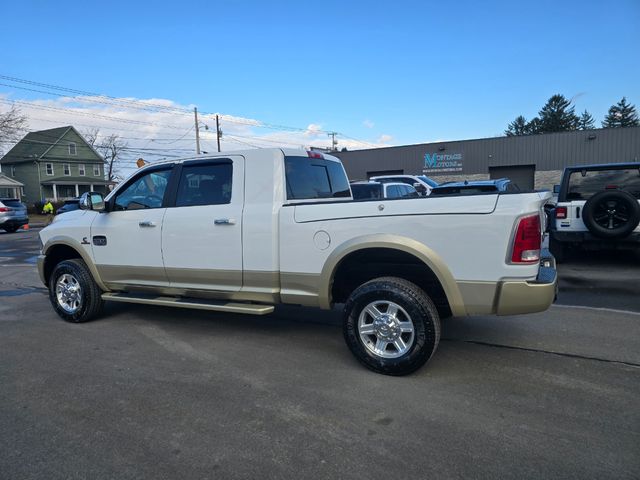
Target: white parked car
244 231
421 183
372 190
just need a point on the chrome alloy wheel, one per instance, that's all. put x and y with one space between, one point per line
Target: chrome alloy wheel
386 329
69 293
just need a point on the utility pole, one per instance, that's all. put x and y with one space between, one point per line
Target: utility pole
218 132
195 113
334 142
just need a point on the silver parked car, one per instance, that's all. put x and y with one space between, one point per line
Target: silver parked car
13 214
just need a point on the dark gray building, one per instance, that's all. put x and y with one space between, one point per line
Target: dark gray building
531 161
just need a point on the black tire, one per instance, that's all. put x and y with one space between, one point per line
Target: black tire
91 302
611 214
12 229
557 249
419 307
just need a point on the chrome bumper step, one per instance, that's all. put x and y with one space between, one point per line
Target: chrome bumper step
216 306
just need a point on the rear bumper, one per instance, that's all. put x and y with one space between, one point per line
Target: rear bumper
516 297
13 221
588 238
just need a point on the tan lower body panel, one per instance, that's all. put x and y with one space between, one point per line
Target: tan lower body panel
479 298
300 288
517 297
507 297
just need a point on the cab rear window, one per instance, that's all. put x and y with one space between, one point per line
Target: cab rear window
310 178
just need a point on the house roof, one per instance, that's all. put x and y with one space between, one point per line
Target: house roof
34 145
68 180
9 182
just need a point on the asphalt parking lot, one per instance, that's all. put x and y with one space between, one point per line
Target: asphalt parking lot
147 392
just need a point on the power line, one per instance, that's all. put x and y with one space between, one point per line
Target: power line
150 106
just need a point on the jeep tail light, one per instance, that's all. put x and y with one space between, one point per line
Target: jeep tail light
561 212
527 241
4 209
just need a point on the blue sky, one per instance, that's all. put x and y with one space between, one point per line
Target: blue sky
415 71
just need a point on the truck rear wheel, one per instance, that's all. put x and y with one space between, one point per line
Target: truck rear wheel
74 294
391 326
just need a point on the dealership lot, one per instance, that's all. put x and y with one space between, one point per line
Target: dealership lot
161 393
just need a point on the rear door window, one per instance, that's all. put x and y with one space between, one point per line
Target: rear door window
309 178
208 184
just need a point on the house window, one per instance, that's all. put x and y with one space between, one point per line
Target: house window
67 169
13 170
96 170
72 148
81 171
49 167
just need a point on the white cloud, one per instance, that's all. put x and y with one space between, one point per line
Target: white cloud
155 128
368 123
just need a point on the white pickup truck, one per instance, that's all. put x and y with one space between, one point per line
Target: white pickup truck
244 231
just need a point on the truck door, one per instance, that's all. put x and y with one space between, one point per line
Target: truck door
126 241
202 231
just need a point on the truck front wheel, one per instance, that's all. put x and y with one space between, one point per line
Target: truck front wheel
391 326
74 294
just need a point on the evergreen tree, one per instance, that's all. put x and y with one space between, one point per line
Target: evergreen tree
558 115
586 122
620 115
517 127
534 126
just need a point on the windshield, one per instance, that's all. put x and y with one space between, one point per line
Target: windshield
428 181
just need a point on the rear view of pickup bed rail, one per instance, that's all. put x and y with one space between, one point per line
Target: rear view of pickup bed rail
244 231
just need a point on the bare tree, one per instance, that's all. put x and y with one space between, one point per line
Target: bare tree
110 148
13 125
91 136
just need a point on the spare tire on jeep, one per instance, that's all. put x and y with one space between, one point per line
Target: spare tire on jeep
611 214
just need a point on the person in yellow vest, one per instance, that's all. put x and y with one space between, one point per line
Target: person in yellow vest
48 208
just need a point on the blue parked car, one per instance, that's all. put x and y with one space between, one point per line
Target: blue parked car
475 187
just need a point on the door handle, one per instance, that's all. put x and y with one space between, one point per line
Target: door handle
224 221
146 223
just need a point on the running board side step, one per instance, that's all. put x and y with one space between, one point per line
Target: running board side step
196 303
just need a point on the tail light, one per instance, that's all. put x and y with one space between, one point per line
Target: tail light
313 154
527 241
561 212
4 209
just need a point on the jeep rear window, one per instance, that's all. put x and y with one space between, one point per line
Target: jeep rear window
12 203
583 187
309 178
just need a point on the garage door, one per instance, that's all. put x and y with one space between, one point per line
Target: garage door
522 175
382 173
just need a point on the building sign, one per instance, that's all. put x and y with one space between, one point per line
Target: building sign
442 163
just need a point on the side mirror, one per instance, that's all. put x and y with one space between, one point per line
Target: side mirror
556 189
92 201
